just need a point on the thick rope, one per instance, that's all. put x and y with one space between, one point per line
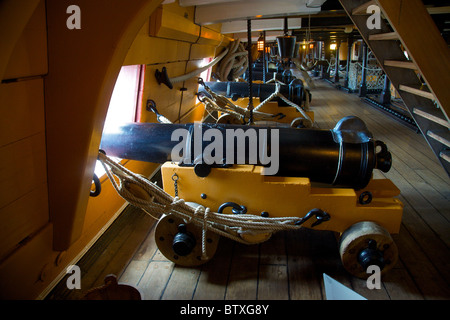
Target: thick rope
199 70
234 64
217 102
278 94
160 202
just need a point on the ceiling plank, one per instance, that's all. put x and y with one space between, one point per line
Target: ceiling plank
189 3
260 25
250 9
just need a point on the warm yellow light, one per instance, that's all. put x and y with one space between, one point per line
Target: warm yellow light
304 47
260 43
311 46
333 46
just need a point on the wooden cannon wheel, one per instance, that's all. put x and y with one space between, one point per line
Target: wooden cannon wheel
168 228
366 243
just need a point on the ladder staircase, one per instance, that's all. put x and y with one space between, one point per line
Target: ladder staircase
423 79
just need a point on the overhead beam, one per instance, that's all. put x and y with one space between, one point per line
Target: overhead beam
270 35
438 10
189 3
250 9
260 25
315 3
326 21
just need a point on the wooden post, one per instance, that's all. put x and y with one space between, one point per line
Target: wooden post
264 57
250 68
349 59
361 51
317 55
385 98
363 86
325 72
336 66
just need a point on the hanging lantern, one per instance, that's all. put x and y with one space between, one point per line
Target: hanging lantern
286 46
286 43
260 43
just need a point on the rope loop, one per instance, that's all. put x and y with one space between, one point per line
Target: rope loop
162 203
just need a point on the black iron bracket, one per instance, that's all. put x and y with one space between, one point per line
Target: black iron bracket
162 77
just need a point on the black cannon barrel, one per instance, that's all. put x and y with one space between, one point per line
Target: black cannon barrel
235 90
258 75
343 156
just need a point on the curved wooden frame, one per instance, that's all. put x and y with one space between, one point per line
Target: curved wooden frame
83 67
14 16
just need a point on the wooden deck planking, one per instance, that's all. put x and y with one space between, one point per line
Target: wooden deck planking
291 264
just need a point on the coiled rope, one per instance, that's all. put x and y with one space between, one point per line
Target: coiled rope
234 63
157 202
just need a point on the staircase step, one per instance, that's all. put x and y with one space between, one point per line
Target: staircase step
428 103
362 9
384 36
417 91
445 155
400 64
440 137
426 115
439 10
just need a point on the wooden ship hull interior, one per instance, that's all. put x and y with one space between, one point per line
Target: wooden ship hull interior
224 149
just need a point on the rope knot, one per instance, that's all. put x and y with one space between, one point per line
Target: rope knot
176 202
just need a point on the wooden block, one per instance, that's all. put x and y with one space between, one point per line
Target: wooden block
419 92
26 273
22 168
174 26
142 52
445 155
400 64
384 36
439 138
431 117
23 217
29 57
22 108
